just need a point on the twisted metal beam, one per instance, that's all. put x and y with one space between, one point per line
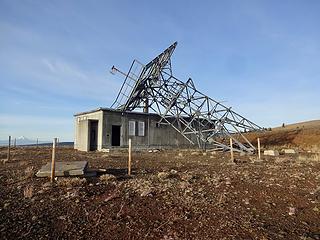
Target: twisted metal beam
199 118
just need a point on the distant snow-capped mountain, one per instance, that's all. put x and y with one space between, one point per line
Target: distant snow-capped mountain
22 138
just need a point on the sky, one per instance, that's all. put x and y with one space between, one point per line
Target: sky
262 58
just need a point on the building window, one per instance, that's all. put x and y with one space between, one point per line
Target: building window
141 129
132 128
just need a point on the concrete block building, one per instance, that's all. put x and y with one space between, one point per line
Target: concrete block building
106 128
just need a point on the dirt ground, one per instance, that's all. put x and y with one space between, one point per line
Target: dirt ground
171 195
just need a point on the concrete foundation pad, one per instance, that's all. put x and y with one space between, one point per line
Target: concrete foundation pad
63 169
271 153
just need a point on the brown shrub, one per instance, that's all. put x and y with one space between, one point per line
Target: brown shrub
28 191
29 171
71 182
105 178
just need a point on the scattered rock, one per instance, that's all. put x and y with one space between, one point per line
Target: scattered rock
163 175
288 151
292 211
110 197
146 192
63 217
47 185
271 153
228 181
184 185
173 172
186 176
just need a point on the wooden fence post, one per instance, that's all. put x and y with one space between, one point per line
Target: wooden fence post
129 160
259 149
15 143
9 148
53 162
231 150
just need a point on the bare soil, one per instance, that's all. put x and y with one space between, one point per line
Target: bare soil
171 195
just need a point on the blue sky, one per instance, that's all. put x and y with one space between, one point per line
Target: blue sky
261 57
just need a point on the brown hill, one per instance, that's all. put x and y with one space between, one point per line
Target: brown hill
304 135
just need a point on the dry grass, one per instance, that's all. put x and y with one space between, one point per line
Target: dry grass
71 182
4 160
105 178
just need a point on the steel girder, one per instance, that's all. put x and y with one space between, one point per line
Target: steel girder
199 118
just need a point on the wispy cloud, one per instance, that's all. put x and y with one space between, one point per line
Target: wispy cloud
260 56
33 64
64 70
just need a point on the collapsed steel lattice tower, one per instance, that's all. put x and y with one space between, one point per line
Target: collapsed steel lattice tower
199 118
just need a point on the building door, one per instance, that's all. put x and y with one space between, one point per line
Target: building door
115 135
93 132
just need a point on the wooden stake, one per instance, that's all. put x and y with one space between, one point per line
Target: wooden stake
259 149
53 162
9 148
129 160
231 150
37 142
15 143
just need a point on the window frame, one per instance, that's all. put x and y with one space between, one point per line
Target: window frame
141 128
132 128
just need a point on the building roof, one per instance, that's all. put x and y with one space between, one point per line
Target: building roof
112 110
